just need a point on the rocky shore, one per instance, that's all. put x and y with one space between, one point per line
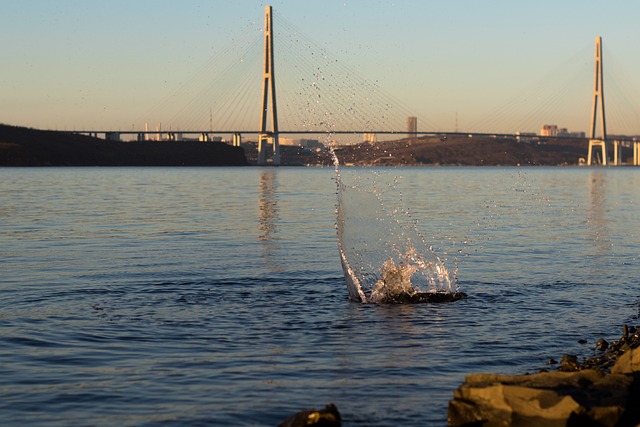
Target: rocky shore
602 390
598 391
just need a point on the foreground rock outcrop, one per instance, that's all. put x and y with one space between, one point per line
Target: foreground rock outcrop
603 390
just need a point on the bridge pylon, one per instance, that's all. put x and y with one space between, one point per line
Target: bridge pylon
268 137
598 104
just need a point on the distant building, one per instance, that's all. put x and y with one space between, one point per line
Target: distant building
549 130
287 141
307 144
371 138
565 133
553 130
412 126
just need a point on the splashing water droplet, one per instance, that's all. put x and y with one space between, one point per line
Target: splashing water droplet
385 260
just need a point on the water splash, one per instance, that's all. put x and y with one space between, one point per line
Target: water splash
384 259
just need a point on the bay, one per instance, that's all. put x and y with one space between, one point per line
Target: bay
214 296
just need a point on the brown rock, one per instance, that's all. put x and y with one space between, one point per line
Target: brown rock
585 397
602 344
628 363
569 363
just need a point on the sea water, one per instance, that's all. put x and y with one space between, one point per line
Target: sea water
215 296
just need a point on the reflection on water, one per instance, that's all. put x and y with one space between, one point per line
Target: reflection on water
596 217
268 205
268 217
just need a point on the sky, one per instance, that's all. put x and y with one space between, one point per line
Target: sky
83 64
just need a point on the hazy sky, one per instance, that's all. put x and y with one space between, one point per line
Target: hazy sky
103 64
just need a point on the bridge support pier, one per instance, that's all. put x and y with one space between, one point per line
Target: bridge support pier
237 139
597 143
636 153
264 140
617 154
112 136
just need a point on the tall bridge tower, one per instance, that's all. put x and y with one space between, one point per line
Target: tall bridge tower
266 137
598 104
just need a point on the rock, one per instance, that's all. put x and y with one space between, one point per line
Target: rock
602 344
628 363
580 398
603 390
437 297
327 417
422 297
569 363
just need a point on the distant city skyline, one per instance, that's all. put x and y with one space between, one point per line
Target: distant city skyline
74 64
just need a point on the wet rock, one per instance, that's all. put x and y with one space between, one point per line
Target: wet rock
424 297
327 417
602 344
598 363
569 363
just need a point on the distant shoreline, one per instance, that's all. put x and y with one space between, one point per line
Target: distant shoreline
21 146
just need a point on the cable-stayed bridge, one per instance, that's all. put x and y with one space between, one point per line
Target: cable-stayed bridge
306 91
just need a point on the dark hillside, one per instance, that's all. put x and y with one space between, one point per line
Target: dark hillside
31 147
462 150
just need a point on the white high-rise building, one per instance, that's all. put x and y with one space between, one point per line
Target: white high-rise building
412 126
549 130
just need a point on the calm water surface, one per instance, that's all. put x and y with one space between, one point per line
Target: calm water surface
205 296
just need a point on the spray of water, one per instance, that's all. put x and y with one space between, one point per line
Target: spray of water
384 259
